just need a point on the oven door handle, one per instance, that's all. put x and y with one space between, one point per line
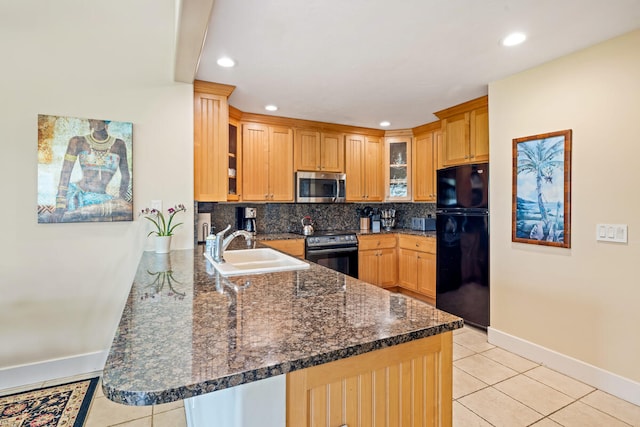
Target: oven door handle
331 251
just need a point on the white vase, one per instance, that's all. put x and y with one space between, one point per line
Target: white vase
163 244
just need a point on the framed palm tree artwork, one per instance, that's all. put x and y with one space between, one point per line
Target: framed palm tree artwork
541 203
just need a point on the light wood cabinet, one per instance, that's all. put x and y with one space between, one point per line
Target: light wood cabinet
417 264
398 168
267 163
404 385
426 149
293 247
318 151
363 165
234 154
377 261
465 133
210 141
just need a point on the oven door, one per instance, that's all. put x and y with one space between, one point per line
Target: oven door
344 260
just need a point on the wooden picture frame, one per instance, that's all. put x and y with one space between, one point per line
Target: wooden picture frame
541 202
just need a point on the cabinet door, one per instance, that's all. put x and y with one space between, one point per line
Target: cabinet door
280 164
425 159
211 135
374 181
294 247
255 162
307 150
387 268
368 266
398 169
407 271
332 152
426 277
479 135
354 167
456 139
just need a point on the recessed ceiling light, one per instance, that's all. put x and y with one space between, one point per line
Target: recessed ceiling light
514 39
271 108
385 124
226 62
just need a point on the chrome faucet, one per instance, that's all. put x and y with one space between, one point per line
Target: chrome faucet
223 243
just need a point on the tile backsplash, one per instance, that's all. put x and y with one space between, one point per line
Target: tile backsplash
286 217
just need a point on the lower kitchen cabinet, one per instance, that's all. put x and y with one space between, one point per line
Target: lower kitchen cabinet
377 261
417 264
293 247
405 385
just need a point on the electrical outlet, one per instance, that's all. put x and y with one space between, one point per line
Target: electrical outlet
611 233
157 205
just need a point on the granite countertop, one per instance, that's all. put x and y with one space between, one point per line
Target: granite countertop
358 232
186 330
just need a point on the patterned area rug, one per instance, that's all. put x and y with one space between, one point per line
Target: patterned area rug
62 405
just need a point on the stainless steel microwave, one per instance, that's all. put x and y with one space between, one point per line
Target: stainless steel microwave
320 187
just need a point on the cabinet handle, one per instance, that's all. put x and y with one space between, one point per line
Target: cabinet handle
417 245
466 157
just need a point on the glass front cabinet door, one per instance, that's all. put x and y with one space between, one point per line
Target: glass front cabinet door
398 168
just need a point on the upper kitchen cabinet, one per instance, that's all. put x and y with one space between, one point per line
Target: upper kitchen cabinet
427 141
398 166
267 163
465 132
234 153
211 141
363 165
318 151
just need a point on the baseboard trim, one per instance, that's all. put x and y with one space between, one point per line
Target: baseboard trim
35 373
606 381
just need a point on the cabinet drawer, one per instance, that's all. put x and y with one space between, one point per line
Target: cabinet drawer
417 243
376 242
293 247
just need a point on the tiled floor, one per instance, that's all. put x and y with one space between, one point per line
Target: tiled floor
491 387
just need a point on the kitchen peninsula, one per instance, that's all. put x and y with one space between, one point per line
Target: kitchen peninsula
351 351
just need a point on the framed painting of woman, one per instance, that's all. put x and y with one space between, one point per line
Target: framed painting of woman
84 170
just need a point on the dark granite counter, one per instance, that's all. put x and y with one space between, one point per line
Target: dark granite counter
186 330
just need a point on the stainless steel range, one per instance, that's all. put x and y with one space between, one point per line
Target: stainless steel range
334 249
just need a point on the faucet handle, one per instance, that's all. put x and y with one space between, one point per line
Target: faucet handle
221 233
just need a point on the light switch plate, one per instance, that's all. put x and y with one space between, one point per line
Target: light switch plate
157 205
611 233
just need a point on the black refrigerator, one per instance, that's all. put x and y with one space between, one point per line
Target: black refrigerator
462 228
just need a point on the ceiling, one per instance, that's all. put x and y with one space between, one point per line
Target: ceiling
358 62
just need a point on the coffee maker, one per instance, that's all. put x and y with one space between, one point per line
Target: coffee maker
246 219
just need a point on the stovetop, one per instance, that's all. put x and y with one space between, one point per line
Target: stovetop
332 238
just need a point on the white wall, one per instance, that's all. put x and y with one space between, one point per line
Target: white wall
63 286
582 302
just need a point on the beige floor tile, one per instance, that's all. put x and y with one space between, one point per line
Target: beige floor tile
560 382
509 359
463 417
173 418
140 422
546 422
460 351
104 412
499 409
534 394
464 383
618 408
168 407
579 414
473 340
484 369
20 389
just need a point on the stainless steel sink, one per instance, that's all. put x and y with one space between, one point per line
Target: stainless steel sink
256 261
